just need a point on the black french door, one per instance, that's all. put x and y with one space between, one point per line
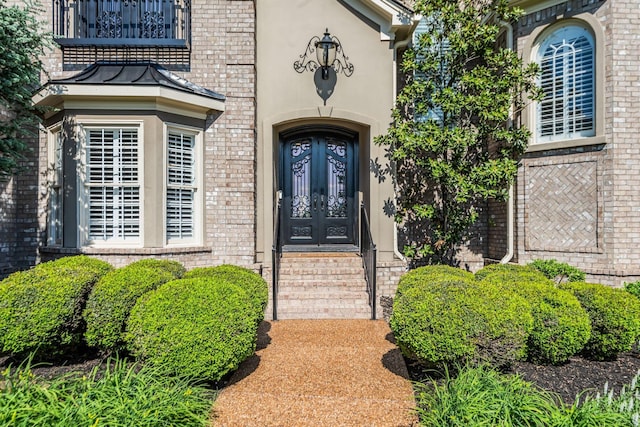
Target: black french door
318 182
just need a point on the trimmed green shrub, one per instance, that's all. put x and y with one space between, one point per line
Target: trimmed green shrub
112 299
199 328
252 283
41 308
454 322
176 269
431 273
614 315
633 288
509 270
558 271
561 327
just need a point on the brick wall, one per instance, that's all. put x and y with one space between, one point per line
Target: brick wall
580 205
19 230
223 60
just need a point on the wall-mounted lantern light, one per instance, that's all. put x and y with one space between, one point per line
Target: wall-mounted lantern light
329 54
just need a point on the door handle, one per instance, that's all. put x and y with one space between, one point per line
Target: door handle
315 203
322 202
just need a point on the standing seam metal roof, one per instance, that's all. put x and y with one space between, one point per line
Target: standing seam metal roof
143 74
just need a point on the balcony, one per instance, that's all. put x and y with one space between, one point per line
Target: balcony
122 23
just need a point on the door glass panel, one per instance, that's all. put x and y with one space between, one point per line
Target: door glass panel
301 179
336 179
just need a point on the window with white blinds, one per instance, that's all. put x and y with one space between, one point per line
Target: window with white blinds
567 66
181 186
112 185
441 50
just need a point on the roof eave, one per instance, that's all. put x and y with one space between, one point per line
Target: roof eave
54 95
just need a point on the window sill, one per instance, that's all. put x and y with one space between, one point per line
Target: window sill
567 143
125 251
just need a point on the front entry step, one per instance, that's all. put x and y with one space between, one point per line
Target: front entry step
322 286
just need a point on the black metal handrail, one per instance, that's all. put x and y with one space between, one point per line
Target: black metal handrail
276 254
122 22
368 253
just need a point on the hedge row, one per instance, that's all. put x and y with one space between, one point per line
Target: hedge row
41 308
252 283
201 327
443 317
451 322
197 328
112 299
561 326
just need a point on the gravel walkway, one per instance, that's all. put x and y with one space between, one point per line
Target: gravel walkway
320 373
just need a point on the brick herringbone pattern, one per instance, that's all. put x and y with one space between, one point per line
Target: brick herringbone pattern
563 206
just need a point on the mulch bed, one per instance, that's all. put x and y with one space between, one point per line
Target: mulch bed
578 377
581 375
82 362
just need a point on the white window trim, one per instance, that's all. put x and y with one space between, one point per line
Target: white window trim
574 31
54 135
83 205
198 207
592 24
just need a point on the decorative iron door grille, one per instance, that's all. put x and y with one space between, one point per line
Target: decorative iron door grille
318 179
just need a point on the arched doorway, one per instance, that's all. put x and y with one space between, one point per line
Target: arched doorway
318 178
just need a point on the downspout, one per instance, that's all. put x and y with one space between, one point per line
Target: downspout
397 45
510 206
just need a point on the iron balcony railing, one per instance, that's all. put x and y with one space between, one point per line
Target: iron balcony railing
276 254
122 22
368 253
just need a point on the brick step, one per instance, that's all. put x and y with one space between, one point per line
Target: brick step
323 313
322 286
322 261
330 296
302 282
312 260
321 271
326 292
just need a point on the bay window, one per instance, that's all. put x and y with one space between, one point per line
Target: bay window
112 185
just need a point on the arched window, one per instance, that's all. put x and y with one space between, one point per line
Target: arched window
566 58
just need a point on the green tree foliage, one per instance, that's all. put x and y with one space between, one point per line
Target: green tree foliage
22 44
452 142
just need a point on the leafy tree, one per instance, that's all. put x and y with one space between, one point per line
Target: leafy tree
22 44
452 142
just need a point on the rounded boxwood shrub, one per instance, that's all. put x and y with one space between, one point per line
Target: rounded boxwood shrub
447 323
176 269
558 271
509 270
633 288
614 315
429 274
200 328
561 326
112 299
252 283
41 308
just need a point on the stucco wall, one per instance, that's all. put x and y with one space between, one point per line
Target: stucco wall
361 102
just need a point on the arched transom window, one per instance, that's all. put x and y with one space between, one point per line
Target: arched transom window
566 59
